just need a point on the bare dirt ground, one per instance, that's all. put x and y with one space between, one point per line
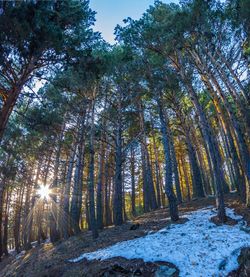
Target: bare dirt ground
48 260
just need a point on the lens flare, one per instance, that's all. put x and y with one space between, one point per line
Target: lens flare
44 192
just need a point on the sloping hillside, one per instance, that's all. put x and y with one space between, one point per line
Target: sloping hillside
53 260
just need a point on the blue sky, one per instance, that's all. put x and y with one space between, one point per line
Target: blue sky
112 12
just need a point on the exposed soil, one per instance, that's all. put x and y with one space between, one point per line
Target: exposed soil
52 260
230 221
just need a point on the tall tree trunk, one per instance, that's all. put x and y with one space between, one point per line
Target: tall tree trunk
198 190
145 187
117 197
1 218
212 146
13 94
175 168
150 202
132 172
91 178
53 219
7 108
117 206
233 74
17 219
206 171
182 163
168 164
100 185
229 85
28 214
157 168
33 200
66 195
76 200
108 219
210 81
6 223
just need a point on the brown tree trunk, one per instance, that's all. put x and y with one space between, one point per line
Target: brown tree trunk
76 199
6 223
150 202
108 218
1 218
91 178
168 164
8 108
211 144
132 172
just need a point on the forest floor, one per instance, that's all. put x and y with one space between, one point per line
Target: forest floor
48 260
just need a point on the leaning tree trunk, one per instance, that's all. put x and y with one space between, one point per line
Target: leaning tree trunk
233 92
209 80
12 97
8 108
198 190
211 143
214 155
235 77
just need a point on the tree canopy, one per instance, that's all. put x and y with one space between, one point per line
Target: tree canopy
159 118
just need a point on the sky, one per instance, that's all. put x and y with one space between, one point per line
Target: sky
112 12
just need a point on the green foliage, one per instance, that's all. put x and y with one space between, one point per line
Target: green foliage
35 28
38 34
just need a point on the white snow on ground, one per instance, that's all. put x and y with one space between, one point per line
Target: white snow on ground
197 248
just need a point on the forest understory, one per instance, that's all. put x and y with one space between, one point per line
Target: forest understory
47 259
98 138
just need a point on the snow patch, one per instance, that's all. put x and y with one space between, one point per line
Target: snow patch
197 247
21 254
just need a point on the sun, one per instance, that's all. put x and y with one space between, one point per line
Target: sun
44 192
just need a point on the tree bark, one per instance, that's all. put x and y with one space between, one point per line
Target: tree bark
214 153
1 219
108 219
91 179
66 195
175 168
100 185
117 207
168 164
6 223
132 172
76 200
